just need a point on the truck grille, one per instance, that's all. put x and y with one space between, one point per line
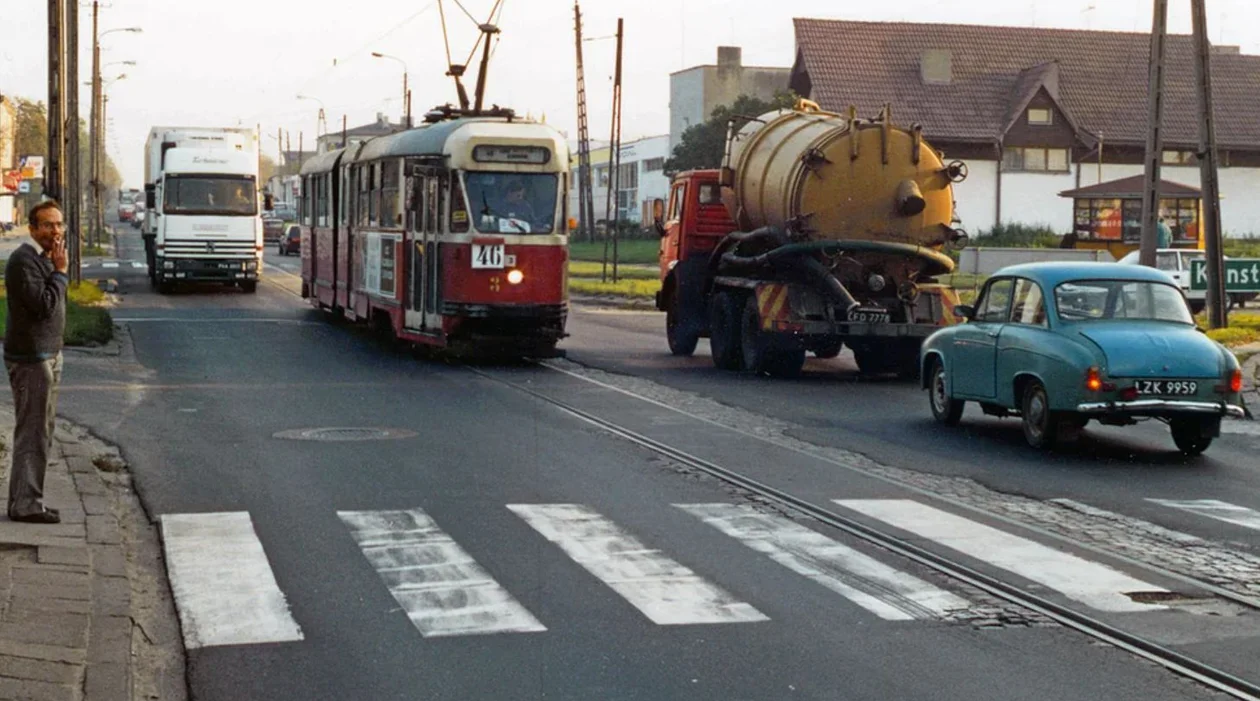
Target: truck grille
200 248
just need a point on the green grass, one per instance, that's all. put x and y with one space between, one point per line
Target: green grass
640 251
94 251
639 289
87 323
586 269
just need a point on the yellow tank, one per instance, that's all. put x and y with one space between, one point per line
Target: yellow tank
838 178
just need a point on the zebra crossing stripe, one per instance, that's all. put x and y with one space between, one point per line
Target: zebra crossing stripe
1091 583
224 588
887 592
113 264
440 586
665 591
1219 510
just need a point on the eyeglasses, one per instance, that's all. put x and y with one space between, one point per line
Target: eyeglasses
52 225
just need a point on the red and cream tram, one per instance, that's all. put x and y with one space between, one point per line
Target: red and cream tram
452 234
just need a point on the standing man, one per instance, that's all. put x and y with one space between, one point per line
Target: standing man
35 282
1165 235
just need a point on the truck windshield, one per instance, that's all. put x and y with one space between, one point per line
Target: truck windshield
208 194
512 203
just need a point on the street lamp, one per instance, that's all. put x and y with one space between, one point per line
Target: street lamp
406 95
97 124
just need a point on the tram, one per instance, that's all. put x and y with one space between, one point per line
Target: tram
453 234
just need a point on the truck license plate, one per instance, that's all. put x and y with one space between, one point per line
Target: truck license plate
1168 387
870 316
487 256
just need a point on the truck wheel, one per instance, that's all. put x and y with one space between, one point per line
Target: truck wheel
786 362
829 352
724 316
682 341
250 287
872 360
165 288
754 346
1188 435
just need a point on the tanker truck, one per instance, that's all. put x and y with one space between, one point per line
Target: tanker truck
819 231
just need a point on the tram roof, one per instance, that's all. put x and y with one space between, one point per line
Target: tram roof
432 139
323 163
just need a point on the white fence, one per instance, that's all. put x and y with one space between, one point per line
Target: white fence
986 261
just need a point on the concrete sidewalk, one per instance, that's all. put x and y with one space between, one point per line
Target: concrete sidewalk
70 626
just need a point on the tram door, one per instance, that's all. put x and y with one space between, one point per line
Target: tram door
425 220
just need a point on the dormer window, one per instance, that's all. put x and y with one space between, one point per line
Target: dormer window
1040 116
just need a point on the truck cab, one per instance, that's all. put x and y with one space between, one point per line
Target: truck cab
692 222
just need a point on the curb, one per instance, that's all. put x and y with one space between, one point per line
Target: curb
614 301
1251 385
73 580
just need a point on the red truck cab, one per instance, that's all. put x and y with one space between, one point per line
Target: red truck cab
693 222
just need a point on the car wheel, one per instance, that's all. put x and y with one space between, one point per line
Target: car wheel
945 409
1040 424
681 341
828 352
1188 435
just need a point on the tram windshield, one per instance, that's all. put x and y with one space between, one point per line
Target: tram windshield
512 203
203 194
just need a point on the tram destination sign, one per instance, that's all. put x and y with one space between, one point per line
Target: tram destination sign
1241 275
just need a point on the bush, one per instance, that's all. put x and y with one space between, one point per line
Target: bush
1233 335
1018 236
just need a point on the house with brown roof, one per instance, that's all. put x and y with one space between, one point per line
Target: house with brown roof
1035 112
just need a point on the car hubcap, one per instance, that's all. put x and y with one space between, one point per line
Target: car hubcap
1036 413
938 391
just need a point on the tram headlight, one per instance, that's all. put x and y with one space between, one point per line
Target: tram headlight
515 277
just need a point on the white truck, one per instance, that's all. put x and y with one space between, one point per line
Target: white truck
202 222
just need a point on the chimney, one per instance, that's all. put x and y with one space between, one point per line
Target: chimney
730 57
1226 50
936 67
381 119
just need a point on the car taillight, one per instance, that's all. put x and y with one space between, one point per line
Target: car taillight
1234 383
1093 381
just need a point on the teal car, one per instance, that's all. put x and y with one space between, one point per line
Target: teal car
1059 344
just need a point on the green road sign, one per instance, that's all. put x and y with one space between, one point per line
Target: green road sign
1241 275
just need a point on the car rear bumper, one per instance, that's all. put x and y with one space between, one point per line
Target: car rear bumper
1161 407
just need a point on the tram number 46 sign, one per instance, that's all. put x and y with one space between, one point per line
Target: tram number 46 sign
487 256
1241 275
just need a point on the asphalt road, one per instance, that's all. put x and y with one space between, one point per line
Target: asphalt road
493 546
1117 469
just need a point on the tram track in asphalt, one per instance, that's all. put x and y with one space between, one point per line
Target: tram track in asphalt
1067 616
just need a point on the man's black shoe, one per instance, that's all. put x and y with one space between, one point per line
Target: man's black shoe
45 516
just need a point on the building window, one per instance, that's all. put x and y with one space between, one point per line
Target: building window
654 164
1179 158
1040 115
1035 159
628 176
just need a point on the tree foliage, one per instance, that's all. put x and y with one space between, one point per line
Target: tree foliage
32 140
703 145
266 168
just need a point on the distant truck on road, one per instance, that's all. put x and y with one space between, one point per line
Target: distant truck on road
202 221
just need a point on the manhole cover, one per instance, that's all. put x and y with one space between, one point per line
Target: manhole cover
344 434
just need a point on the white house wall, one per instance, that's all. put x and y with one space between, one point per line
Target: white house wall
973 197
1033 199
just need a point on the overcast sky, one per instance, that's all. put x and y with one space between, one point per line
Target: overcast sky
243 62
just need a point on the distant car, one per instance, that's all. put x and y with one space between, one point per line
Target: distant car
1060 344
291 242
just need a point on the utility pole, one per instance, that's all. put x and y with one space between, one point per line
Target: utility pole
1154 135
54 166
586 198
1211 229
613 217
94 126
74 197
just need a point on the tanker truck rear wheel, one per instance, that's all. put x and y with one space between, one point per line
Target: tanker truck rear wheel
724 335
759 351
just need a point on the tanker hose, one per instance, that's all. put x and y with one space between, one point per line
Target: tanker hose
818 274
717 259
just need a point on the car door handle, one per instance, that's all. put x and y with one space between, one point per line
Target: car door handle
993 334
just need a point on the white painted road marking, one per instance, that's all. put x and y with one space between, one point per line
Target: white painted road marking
223 585
113 264
665 591
888 593
1091 583
442 589
137 264
1219 510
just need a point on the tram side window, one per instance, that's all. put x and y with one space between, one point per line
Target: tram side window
361 178
459 207
431 205
322 194
390 211
343 204
374 196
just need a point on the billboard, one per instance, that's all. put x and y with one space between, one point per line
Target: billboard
32 167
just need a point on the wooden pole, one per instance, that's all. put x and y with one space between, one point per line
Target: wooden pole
1154 135
1211 225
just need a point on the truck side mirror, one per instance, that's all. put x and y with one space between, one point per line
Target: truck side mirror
658 216
269 202
150 197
